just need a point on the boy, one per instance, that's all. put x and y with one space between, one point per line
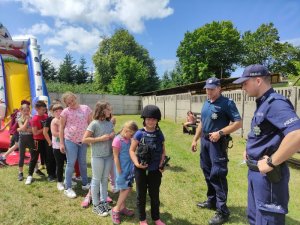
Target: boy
39 139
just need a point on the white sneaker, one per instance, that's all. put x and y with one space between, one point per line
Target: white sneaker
28 180
86 187
60 186
70 193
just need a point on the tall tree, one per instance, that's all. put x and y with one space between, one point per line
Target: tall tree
48 70
112 49
67 70
213 49
264 47
81 72
131 77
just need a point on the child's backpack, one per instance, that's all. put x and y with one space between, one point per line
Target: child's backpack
13 122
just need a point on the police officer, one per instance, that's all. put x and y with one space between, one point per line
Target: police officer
273 138
219 118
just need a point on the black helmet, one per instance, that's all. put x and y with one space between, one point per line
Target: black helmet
151 111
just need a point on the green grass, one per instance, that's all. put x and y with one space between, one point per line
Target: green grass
182 187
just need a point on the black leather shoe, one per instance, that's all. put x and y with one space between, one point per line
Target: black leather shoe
219 218
206 205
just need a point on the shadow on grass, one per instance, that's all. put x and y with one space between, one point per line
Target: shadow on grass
176 168
168 218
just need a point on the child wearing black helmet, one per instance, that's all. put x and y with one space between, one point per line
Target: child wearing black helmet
147 151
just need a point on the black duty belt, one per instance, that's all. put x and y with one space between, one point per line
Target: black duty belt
252 164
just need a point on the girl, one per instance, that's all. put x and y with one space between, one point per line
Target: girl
73 122
60 157
149 144
25 137
100 133
124 169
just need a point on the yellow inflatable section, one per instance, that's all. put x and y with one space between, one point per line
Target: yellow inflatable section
17 85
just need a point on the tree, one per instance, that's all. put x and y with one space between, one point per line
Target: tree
67 70
48 70
112 49
264 47
81 72
213 49
131 77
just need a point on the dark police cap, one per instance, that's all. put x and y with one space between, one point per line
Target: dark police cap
212 83
254 70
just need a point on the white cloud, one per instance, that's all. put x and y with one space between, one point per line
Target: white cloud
51 54
76 39
23 37
294 41
102 13
38 28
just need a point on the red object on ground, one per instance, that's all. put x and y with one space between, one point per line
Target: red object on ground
13 158
4 139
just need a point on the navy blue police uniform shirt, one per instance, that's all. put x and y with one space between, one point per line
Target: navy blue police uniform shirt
218 114
274 118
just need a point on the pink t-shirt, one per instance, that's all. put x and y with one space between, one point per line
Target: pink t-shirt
117 142
76 122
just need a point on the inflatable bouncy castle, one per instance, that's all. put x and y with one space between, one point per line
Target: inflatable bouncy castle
20 76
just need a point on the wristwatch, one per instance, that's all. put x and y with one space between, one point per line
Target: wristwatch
221 133
269 162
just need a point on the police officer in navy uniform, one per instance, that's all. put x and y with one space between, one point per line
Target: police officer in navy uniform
219 118
274 137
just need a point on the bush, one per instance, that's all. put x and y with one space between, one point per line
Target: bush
60 87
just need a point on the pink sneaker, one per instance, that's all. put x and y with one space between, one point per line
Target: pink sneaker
86 201
143 222
159 222
127 212
108 199
115 216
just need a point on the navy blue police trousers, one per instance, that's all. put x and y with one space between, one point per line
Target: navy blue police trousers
267 202
213 162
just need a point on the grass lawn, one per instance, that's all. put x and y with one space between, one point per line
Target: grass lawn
182 187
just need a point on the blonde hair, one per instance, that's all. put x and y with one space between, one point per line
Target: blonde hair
56 106
67 95
130 125
99 113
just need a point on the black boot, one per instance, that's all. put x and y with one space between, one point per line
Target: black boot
219 218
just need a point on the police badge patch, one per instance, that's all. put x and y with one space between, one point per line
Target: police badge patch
214 116
256 130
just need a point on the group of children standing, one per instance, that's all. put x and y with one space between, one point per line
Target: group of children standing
65 135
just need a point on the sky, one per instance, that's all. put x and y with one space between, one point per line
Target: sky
77 26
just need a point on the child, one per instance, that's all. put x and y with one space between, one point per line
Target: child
13 125
60 157
100 133
25 137
39 139
73 122
190 119
149 144
50 163
124 170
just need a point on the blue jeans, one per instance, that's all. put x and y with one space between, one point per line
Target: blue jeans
101 167
75 152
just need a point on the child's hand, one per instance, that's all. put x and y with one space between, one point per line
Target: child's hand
141 166
112 135
105 137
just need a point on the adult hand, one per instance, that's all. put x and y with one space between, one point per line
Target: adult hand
194 146
214 136
263 166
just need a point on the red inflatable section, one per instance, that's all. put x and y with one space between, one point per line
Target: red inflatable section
4 139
